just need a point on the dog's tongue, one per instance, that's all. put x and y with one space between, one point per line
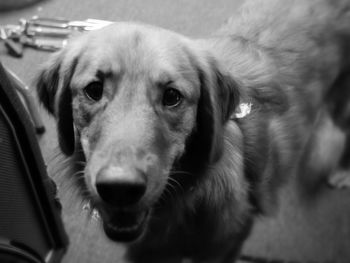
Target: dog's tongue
125 226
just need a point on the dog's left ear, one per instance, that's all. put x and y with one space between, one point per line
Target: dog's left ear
219 98
53 88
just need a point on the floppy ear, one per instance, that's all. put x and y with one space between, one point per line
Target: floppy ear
218 100
53 88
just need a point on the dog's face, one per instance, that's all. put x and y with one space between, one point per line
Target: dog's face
140 101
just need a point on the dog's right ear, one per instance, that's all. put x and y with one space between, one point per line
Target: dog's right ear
53 88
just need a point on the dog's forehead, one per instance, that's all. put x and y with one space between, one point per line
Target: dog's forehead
132 47
131 39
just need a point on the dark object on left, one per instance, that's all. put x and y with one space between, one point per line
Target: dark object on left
31 228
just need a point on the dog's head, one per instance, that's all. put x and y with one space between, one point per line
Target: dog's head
142 102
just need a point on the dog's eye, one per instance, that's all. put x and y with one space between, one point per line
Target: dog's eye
171 97
94 90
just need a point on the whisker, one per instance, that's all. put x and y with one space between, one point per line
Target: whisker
171 190
78 174
83 163
179 172
172 180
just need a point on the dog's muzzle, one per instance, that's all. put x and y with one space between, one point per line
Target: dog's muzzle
121 189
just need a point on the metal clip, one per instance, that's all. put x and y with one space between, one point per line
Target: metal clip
15 49
49 34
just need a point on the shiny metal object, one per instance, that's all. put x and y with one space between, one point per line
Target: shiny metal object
15 49
48 34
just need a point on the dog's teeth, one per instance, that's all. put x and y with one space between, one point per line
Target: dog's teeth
87 206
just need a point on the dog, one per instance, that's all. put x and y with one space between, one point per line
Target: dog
326 158
175 166
339 107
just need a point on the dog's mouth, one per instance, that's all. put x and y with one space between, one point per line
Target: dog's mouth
124 226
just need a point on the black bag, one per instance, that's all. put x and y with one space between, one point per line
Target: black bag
31 229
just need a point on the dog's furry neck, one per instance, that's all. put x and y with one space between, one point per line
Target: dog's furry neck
205 208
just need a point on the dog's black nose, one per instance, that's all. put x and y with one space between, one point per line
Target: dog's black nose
118 187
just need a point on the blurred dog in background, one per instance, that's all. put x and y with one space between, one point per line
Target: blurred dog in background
339 106
171 162
327 155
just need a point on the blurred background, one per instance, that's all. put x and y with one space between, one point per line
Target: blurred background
305 229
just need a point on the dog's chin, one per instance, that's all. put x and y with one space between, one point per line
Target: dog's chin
124 226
